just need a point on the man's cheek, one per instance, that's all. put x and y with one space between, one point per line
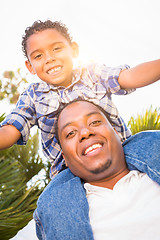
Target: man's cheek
68 154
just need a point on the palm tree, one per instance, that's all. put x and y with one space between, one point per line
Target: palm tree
17 202
18 166
12 84
18 195
150 120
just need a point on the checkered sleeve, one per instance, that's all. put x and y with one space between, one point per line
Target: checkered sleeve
22 117
109 78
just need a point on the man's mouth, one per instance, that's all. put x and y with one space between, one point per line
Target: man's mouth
92 148
54 70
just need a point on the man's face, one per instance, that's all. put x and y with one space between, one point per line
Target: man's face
91 148
50 57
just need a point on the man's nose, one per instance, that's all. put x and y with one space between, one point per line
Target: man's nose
85 133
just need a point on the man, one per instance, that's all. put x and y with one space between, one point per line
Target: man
98 198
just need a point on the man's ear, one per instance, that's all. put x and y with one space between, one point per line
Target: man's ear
64 160
115 130
29 67
117 133
75 49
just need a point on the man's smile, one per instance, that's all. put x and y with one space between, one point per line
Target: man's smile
92 148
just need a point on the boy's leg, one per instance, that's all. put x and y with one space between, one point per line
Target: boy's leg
142 152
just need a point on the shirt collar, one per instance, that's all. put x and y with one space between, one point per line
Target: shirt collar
77 73
92 188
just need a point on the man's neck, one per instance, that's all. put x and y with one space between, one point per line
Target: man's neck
110 182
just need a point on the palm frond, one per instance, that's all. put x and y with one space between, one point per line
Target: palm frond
18 201
150 120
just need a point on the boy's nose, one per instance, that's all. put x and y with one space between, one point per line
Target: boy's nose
85 133
50 57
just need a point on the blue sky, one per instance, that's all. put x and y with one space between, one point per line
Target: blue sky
112 32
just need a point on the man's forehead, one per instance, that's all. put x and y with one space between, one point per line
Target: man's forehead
75 108
75 111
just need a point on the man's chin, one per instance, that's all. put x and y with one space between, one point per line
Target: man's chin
102 168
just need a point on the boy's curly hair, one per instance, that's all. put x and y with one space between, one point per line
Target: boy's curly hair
39 26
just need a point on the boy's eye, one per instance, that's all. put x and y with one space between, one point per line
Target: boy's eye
38 56
57 48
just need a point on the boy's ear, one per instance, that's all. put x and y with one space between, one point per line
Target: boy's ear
75 49
29 67
64 159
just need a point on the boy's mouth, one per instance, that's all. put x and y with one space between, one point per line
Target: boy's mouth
54 70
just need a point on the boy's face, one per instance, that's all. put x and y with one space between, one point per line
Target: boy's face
50 57
92 150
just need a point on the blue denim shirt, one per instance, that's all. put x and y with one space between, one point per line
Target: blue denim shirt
62 210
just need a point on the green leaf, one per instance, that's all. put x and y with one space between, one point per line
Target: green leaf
150 120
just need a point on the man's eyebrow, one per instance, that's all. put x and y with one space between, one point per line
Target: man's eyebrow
87 115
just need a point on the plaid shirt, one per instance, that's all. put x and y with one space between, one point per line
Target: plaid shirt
38 104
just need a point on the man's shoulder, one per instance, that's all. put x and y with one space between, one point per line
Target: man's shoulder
62 184
62 178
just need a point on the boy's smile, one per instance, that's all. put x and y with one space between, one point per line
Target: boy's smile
50 57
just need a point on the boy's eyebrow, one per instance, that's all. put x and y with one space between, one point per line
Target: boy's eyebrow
87 115
39 50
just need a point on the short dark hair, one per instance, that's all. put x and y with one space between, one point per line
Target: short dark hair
64 105
39 26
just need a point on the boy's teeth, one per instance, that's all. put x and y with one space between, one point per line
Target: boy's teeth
53 70
91 148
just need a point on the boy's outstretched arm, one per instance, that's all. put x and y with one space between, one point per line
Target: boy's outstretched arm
8 136
141 75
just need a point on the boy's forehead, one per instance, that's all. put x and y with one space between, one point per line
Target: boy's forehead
47 36
50 32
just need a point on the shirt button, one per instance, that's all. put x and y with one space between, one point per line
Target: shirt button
45 109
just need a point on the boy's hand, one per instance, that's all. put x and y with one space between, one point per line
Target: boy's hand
141 75
8 136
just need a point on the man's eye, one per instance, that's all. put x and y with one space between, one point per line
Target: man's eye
70 134
95 123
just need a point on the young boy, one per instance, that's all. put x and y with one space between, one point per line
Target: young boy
49 50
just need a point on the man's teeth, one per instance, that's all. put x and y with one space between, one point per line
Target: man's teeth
91 148
53 70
